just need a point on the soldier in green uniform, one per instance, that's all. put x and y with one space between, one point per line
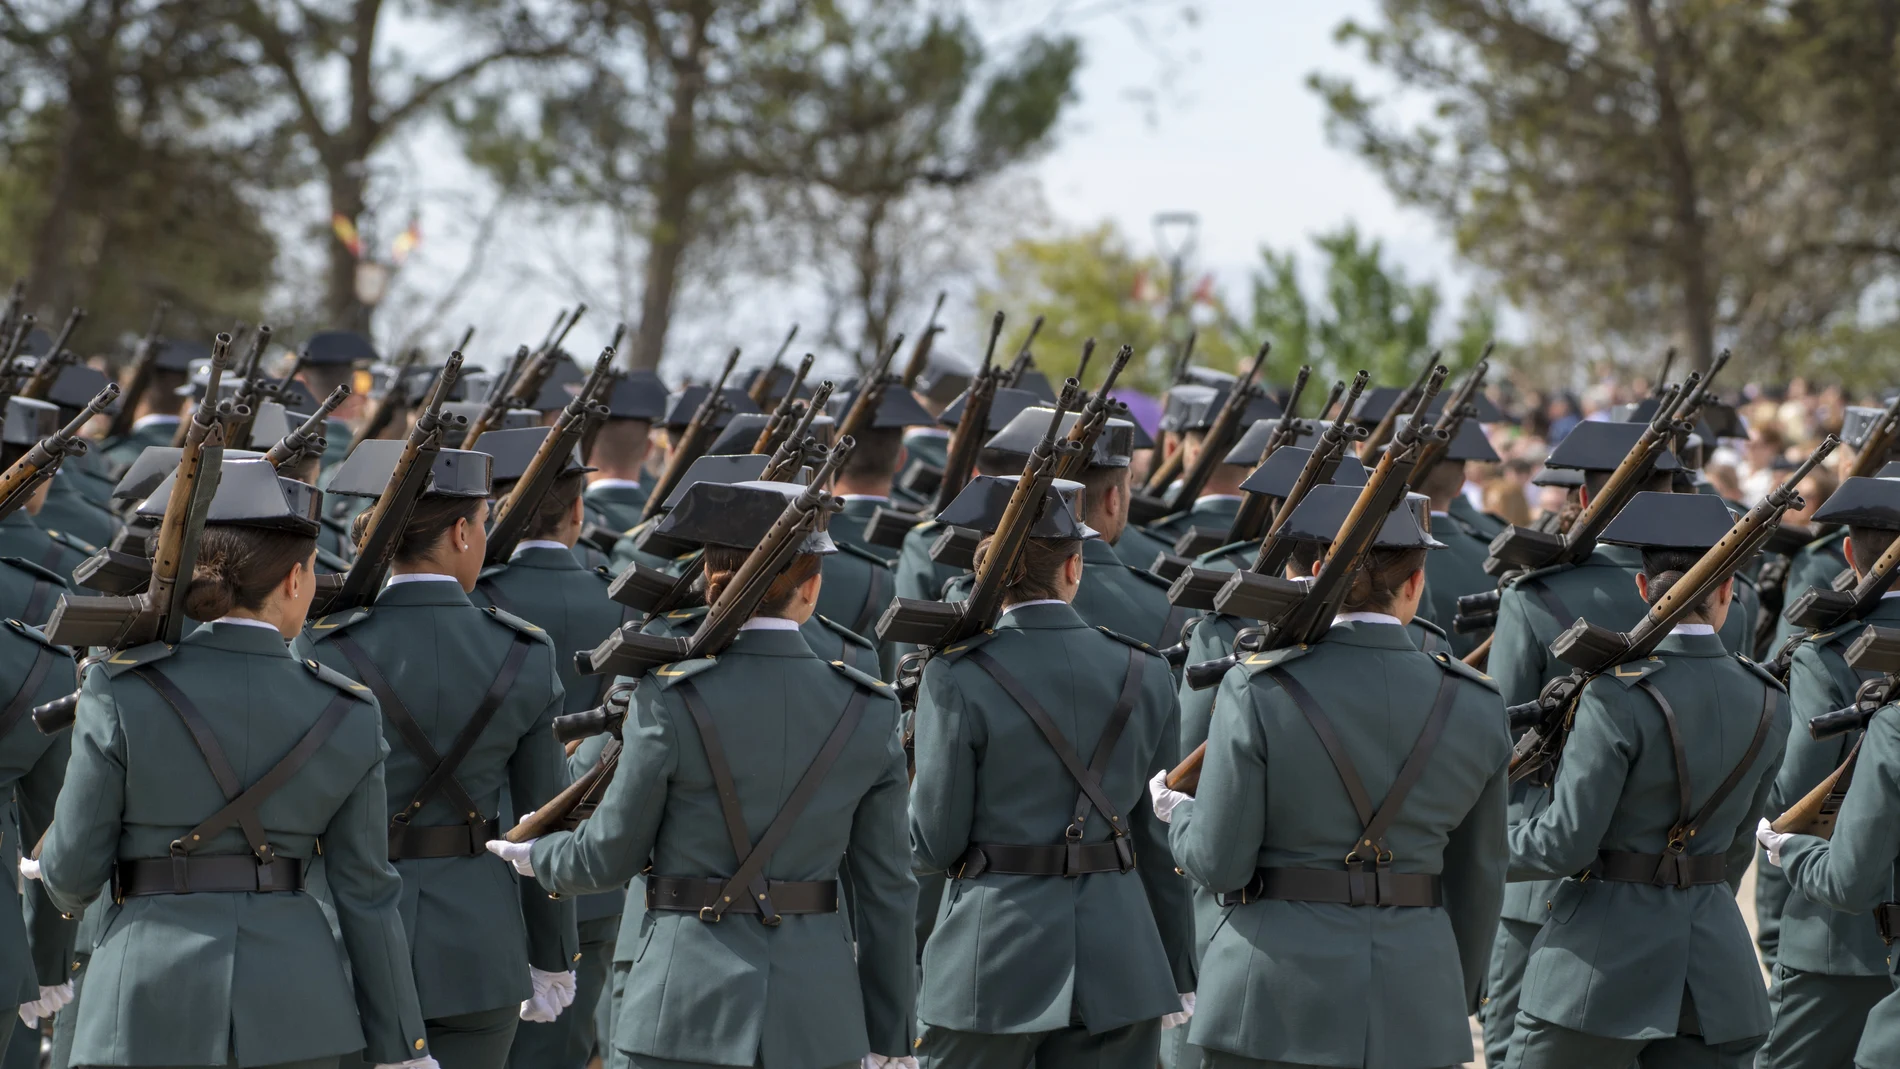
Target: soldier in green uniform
680 407
482 687
332 358
1830 967
1359 747
1643 955
615 493
159 408
1460 570
1191 411
860 578
1064 937
764 768
1818 562
28 421
204 778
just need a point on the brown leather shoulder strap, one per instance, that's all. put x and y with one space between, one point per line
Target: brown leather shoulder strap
1328 738
1684 799
243 809
1741 768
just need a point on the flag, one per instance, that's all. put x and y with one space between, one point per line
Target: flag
346 233
406 241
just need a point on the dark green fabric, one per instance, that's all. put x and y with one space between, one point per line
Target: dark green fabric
36 943
21 537
848 526
1615 959
474 927
262 979
1335 984
546 587
123 451
1814 565
1482 524
1214 512
1452 573
1504 982
1132 1046
1540 1044
737 990
70 511
1818 1018
1128 601
614 507
474 1040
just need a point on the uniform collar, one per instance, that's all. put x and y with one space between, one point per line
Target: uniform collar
1097 551
769 623
1378 636
540 554
19 518
263 639
417 592
759 642
863 505
1692 645
1040 617
1626 557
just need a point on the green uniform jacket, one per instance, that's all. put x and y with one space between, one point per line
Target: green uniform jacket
1453 572
246 979
36 944
1324 984
29 591
625 553
1816 565
1030 953
121 452
21 537
548 588
1126 600
1855 870
1614 959
68 509
474 929
738 992
860 578
830 640
1815 938
614 507
1215 512
1481 524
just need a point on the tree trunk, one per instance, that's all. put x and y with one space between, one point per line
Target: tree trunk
679 181
344 311
1688 247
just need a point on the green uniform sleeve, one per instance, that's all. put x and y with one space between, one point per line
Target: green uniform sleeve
1741 848
1564 838
1168 894
612 846
884 907
1216 836
1518 660
1476 856
947 739
50 934
1814 687
84 839
1853 871
536 773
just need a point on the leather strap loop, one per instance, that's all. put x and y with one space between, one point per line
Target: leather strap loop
686 894
1361 885
216 873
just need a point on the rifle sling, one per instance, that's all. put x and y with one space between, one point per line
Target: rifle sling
35 611
877 595
22 699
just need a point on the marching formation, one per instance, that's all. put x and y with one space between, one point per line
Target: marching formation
945 718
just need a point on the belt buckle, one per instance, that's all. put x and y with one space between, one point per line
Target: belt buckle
709 916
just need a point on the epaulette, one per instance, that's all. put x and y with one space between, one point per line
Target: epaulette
850 636
517 623
334 562
123 661
1453 666
1539 573
1256 663
961 583
1762 673
863 679
323 626
668 674
337 679
38 571
602 573
951 653
852 550
490 572
1126 641
1148 577
1215 555
922 530
1165 520
1426 625
1635 671
72 542
39 636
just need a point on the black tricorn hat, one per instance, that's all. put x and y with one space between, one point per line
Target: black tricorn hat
418 381
561 385
512 419
897 409
514 448
330 348
153 465
28 420
1324 509
1034 381
251 494
1275 477
1252 444
750 378
1864 502
1003 408
269 425
1119 410
1376 402
1597 445
36 343
637 395
732 468
681 406
1670 521
1645 410
456 473
76 386
1113 447
1192 407
741 433
1857 422
1469 443
737 515
944 376
981 505
296 397
178 354
1564 477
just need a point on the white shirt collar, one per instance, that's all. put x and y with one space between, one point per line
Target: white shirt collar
769 623
865 497
1693 629
1890 594
421 577
534 543
614 484
1217 497
1025 604
927 432
245 621
1436 513
157 419
1366 618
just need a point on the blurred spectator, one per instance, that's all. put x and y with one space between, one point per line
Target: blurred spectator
1725 480
1563 418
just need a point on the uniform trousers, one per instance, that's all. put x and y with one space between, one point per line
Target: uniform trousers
1504 982
568 1041
1134 1046
1539 1044
1818 1018
473 1040
1217 1059
623 1060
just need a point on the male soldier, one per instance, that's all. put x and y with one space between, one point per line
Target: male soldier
678 414
1830 967
1191 411
27 421
859 578
157 411
614 494
1460 571
1643 956
78 506
943 379
1818 562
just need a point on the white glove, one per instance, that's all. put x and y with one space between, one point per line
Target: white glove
889 1061
51 1000
553 992
1164 798
424 1062
1176 1020
520 855
1772 840
30 867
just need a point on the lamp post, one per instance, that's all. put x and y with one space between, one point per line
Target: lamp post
1175 237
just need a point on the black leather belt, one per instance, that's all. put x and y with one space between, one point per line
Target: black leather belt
1681 871
690 894
449 840
1066 859
1367 885
1887 921
181 875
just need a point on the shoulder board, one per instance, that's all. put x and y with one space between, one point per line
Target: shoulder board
954 652
123 661
1148 577
36 570
1825 542
490 572
1426 625
1218 552
851 550
323 626
693 613
1126 641
962 581
668 674
38 636
862 679
922 530
1453 666
1762 673
1255 663
1165 520
1635 671
71 542
337 679
602 573
1543 572
635 530
524 627
332 561
843 632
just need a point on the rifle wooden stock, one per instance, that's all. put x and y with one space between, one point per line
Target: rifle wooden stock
761 391
138 376
25 475
693 440
1327 453
1221 434
870 396
55 358
1817 810
394 399
1256 510
920 353
500 396
1094 417
1477 657
775 425
1873 452
1381 432
972 428
550 457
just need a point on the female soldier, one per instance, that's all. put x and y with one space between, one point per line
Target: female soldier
204 778
1026 967
1361 747
740 771
468 698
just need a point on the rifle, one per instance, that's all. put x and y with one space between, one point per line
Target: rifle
511 518
762 389
395 397
1876 650
26 474
1165 472
390 515
55 358
936 624
252 386
966 441
1453 415
787 410
1094 417
1293 613
139 378
1023 361
15 343
16 301
920 353
1219 438
1328 451
1382 431
1662 380
158 613
790 454
534 374
870 396
693 440
306 440
1591 649
1253 512
1873 452
500 398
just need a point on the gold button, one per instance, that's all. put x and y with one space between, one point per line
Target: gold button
577 957
419 1044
